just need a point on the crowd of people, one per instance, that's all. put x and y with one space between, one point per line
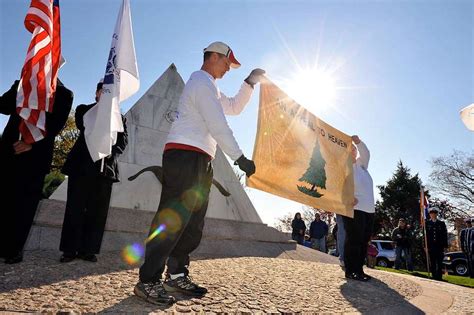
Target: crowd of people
402 237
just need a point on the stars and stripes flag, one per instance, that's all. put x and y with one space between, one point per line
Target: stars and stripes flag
35 94
424 206
103 121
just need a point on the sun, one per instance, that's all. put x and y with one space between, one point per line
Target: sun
313 88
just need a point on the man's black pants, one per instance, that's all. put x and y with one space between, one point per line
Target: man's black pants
19 197
87 206
176 229
436 262
358 232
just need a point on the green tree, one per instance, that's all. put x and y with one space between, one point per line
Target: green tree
400 198
64 142
62 145
315 175
51 182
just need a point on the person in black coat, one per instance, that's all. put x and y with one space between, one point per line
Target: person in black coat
467 242
23 168
437 239
298 229
88 193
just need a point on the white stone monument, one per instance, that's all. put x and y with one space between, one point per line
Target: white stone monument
232 228
148 124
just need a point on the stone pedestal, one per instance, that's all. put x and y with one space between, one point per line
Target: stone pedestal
221 238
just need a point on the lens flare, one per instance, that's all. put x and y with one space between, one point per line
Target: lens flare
132 254
193 198
170 219
157 231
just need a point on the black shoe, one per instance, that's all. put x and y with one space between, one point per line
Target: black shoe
88 257
366 276
356 276
153 292
67 257
14 259
184 285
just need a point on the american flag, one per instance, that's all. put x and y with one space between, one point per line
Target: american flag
424 206
35 94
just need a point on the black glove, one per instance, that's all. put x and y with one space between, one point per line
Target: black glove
246 165
255 77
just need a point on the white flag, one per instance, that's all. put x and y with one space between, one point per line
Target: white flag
121 81
467 116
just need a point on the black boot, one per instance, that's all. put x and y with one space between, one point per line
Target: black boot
14 259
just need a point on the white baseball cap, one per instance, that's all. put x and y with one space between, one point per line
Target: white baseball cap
223 49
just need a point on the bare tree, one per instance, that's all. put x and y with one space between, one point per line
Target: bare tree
453 178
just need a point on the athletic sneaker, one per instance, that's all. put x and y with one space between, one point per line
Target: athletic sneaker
184 285
153 292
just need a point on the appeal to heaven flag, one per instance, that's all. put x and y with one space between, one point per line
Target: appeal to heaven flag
299 156
35 94
104 121
467 116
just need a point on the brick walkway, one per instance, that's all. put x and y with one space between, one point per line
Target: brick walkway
245 285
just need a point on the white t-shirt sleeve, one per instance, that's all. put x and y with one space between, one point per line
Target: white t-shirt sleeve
364 155
235 105
212 113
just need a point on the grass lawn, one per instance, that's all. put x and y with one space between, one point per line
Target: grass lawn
464 281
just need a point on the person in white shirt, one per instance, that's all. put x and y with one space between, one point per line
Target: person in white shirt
200 126
359 229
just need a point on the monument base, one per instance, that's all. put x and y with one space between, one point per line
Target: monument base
221 238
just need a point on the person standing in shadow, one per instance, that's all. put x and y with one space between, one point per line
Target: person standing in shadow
88 192
298 229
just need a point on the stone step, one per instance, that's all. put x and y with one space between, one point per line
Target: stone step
221 238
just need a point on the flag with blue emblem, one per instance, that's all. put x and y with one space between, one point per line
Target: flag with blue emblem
104 121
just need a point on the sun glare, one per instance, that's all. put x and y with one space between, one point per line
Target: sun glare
312 88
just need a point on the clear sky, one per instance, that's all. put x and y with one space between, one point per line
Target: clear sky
402 69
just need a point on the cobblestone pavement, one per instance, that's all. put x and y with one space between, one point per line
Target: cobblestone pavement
244 285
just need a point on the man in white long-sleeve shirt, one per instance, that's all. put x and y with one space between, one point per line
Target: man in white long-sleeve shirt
177 227
359 228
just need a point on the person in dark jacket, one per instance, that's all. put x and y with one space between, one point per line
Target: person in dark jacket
401 235
467 245
437 239
88 193
298 229
318 230
23 169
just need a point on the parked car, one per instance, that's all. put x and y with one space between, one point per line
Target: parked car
386 256
456 262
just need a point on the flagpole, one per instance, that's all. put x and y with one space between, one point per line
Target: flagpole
423 223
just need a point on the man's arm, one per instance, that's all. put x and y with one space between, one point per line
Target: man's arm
235 105
445 235
55 121
364 153
394 232
462 238
8 100
61 109
122 139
